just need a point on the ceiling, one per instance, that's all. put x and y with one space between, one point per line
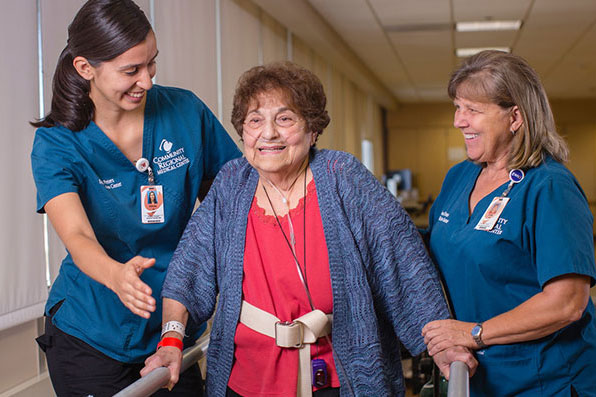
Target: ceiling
409 45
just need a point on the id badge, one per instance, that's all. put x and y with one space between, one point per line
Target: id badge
492 214
152 204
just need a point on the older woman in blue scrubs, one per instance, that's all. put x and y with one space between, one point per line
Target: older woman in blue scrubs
511 232
118 163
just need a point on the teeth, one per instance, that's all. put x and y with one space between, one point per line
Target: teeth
135 94
276 149
470 136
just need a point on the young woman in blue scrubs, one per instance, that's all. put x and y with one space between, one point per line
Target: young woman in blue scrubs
118 163
511 232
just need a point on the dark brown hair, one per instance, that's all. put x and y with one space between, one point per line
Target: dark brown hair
508 80
301 88
101 31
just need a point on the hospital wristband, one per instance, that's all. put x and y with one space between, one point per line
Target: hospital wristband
175 326
170 342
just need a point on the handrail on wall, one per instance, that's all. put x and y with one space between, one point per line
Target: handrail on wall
159 377
459 380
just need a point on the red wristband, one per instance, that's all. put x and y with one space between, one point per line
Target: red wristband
170 342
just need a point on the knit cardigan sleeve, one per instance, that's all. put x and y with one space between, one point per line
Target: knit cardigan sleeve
192 277
403 280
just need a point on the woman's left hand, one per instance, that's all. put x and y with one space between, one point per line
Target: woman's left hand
440 335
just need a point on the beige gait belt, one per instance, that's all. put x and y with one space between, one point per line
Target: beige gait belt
297 334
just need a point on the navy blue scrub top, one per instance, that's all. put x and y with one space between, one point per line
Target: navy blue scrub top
544 231
185 145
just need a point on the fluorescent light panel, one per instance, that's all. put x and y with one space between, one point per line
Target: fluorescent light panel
468 52
486 26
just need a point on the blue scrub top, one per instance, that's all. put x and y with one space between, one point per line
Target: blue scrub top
544 231
185 145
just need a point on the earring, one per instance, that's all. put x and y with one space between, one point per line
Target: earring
513 132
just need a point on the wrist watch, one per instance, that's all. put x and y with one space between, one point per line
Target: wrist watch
477 335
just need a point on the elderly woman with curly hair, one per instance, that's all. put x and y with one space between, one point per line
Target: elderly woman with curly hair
320 273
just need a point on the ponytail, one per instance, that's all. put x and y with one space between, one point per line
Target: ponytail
71 105
101 31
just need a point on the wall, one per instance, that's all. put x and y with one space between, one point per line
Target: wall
204 46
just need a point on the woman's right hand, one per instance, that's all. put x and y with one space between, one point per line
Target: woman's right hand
169 357
125 281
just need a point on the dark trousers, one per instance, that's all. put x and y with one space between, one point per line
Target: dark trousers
77 369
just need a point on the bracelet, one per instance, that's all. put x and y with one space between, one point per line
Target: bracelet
170 342
175 326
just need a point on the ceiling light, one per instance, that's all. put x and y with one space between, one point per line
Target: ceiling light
484 26
468 52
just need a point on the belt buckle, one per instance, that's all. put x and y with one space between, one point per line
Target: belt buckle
289 325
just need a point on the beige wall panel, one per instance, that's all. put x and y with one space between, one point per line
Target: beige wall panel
338 111
240 48
421 115
323 71
56 16
402 149
22 264
582 145
19 355
378 142
574 111
431 147
302 53
186 36
22 274
351 132
275 47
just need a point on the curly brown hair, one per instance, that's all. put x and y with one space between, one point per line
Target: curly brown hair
300 87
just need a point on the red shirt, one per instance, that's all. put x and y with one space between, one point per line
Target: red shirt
271 283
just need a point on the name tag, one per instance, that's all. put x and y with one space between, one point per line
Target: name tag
152 206
492 214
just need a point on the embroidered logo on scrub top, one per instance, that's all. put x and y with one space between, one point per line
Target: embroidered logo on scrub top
444 217
171 160
498 228
109 183
165 145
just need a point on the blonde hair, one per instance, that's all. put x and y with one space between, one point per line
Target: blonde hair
508 80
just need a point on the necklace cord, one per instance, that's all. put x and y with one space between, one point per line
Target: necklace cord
300 273
292 247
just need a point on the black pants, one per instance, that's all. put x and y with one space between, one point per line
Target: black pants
77 369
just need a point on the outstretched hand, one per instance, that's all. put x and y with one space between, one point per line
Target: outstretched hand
127 284
169 357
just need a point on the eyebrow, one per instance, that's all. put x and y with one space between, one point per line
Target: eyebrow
135 65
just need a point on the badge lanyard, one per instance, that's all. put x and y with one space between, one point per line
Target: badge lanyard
493 212
152 206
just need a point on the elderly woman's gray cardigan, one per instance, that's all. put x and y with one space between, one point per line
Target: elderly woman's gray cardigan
385 287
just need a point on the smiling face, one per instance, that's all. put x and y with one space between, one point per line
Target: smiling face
120 84
486 128
276 142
